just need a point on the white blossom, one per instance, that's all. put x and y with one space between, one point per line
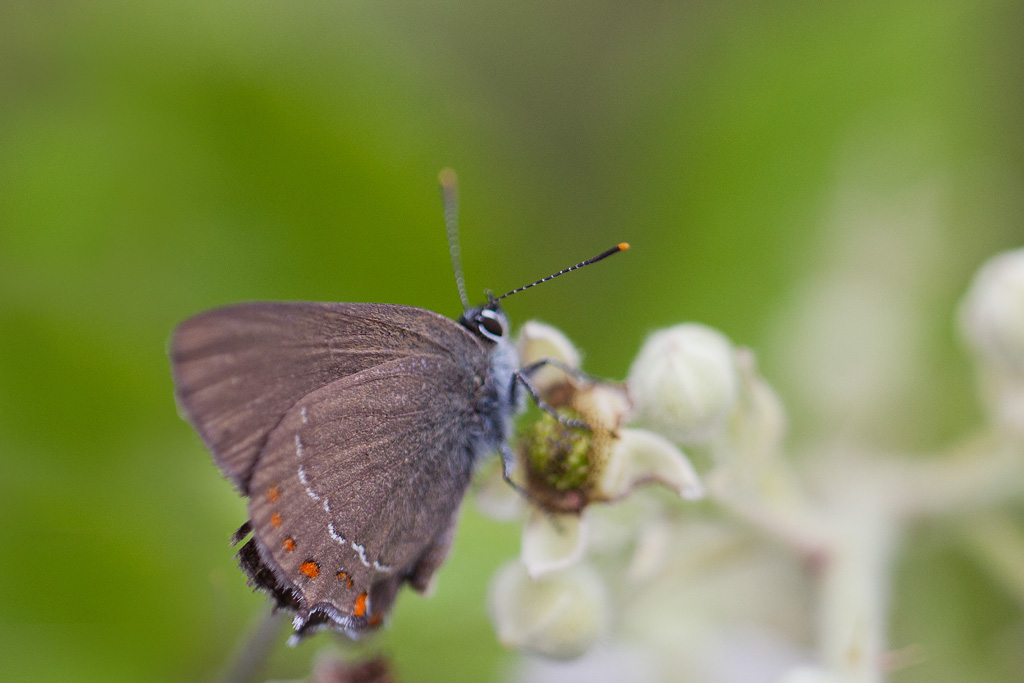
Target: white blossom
992 315
784 574
992 321
640 456
538 341
560 615
552 542
684 383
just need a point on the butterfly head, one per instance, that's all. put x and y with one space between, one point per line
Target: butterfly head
487 322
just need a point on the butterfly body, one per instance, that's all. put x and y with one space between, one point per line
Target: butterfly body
354 430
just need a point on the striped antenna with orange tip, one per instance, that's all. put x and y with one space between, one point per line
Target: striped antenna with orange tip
621 246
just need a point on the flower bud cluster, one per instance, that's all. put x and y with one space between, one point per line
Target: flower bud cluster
606 560
684 388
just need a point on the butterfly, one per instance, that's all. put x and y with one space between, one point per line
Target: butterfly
353 429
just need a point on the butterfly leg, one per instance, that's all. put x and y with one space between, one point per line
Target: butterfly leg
508 463
555 363
521 377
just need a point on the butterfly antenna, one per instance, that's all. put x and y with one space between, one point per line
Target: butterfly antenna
600 257
450 197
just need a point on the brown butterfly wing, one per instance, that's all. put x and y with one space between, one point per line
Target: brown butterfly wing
359 486
237 370
374 402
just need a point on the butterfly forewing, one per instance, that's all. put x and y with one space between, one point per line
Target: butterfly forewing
238 370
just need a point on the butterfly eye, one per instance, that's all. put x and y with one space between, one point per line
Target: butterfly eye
490 324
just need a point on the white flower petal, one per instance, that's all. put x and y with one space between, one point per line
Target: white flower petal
753 441
559 616
602 405
640 456
538 341
551 542
684 383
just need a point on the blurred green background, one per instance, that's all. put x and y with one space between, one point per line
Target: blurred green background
157 159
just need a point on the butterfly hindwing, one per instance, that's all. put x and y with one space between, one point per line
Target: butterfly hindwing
359 486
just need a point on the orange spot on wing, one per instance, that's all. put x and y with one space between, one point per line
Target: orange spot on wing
288 544
343 576
375 620
359 608
310 569
273 494
275 520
